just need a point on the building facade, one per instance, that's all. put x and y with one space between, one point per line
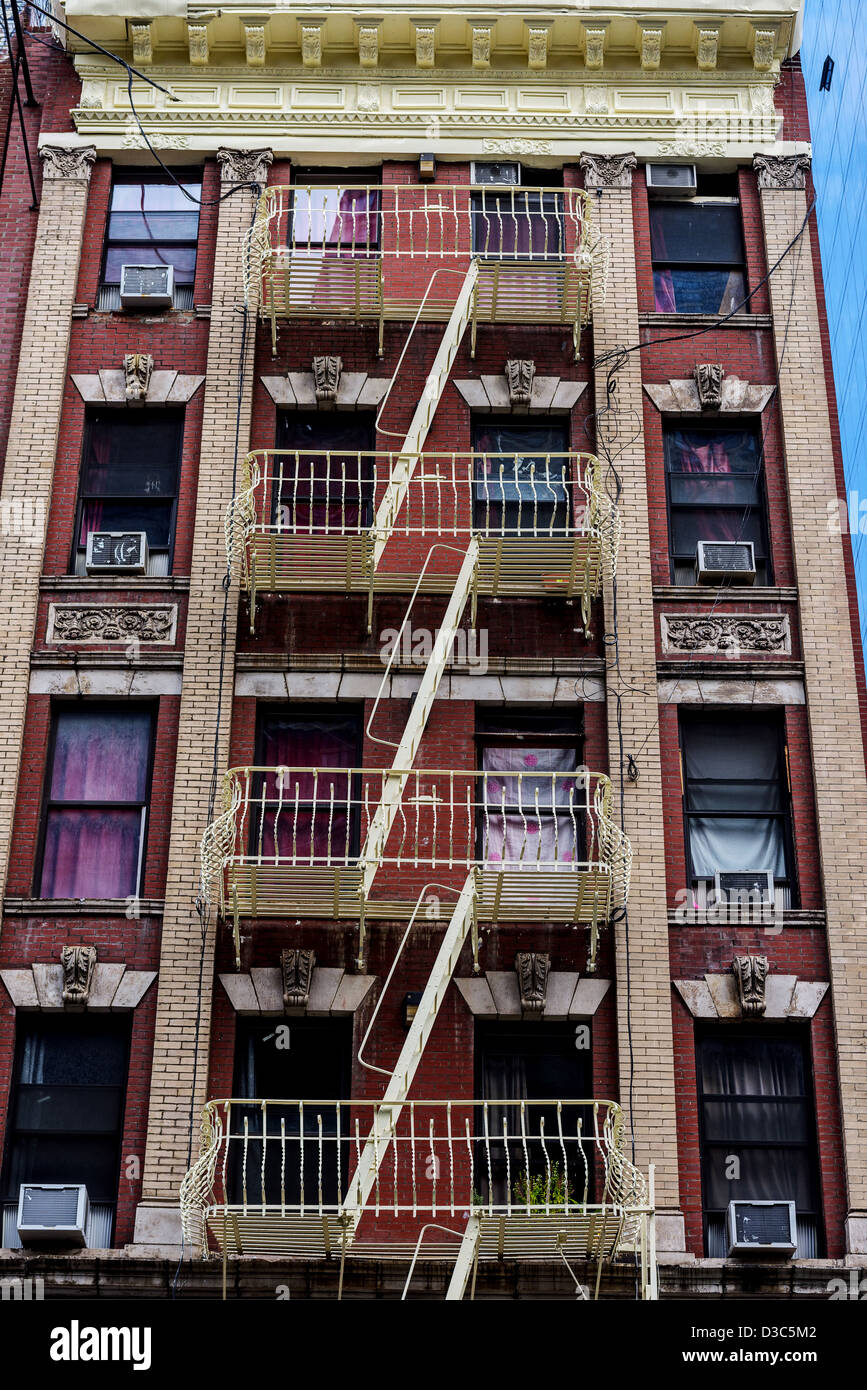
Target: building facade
433 787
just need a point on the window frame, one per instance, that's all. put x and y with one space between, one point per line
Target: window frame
119 1024
366 422
312 712
700 199
130 174
478 424
764 1033
347 179
57 708
489 737
786 812
717 426
152 413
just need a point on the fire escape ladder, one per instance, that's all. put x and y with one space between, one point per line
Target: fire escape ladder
395 493
366 1175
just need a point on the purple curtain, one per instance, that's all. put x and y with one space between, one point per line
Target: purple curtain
96 480
308 815
339 219
663 292
709 458
322 494
92 851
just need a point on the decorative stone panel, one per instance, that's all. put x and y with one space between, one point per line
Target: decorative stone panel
110 387
244 166
716 996
78 964
331 991
726 394
300 390
111 988
493 394
781 170
608 170
497 994
151 623
61 162
729 633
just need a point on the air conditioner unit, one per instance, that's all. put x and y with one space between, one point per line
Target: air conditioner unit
749 887
147 286
761 1228
672 180
496 175
716 561
52 1212
116 552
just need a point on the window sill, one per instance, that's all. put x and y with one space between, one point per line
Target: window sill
695 593
93 583
82 907
687 321
808 919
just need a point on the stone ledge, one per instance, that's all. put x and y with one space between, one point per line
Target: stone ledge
81 907
706 593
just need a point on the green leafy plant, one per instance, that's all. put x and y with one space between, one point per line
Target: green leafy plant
541 1189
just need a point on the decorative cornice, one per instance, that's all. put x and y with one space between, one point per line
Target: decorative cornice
762 997
108 386
565 995
781 170
77 982
708 389
329 990
299 390
608 170
152 623
729 634
492 394
244 166
67 162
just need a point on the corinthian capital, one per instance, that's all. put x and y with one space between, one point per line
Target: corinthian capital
781 170
67 161
608 170
244 166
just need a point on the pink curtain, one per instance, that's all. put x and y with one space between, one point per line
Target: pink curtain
308 815
663 292
712 457
322 495
532 818
96 480
92 850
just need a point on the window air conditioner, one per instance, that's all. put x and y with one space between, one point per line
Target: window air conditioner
52 1212
497 175
672 180
716 561
767 1228
749 887
113 552
147 286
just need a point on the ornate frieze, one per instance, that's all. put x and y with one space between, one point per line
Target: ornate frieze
731 634
750 974
244 166
533 969
608 170
296 968
519 377
78 964
151 623
137 369
326 377
63 162
708 380
781 170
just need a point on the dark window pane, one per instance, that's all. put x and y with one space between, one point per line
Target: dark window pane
517 224
777 1174
696 232
288 742
723 749
101 755
718 452
70 1158
748 1066
134 471
183 258
734 796
82 1108
91 854
153 226
155 518
83 1056
347 218
690 527
707 291
715 490
764 1121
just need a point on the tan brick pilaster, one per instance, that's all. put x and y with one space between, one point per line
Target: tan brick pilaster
619 430
29 470
829 662
180 1062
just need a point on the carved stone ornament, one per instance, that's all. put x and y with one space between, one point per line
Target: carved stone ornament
481 47
368 45
142 44
104 622
254 42
198 38
708 380
519 376
730 634
764 45
594 47
537 48
78 964
533 968
425 45
707 48
651 46
60 162
326 377
781 170
311 45
750 973
297 971
137 369
608 170
244 166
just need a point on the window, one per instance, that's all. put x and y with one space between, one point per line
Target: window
716 492
129 480
697 249
525 493
96 802
151 222
756 1106
513 223
736 797
311 816
531 1061
313 1062
336 213
66 1113
318 494
533 806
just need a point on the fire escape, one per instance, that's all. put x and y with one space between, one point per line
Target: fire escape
533 845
